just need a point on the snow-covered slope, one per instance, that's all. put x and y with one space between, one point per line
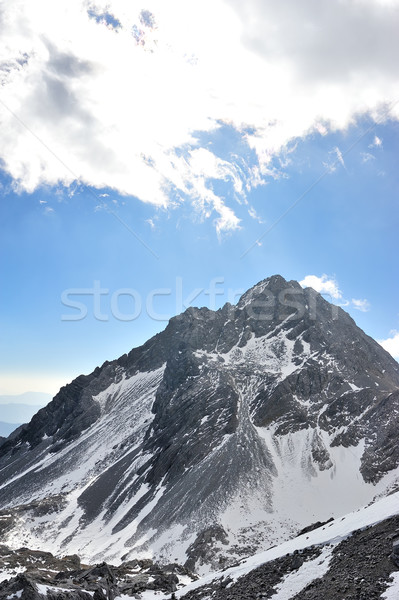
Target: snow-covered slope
327 537
357 546
221 436
331 533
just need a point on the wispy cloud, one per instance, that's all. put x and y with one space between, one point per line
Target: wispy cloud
339 156
367 157
362 305
377 142
329 286
336 158
254 215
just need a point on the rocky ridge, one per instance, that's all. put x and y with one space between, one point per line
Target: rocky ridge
191 447
34 575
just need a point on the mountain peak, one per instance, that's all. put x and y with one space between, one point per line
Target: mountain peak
274 285
192 445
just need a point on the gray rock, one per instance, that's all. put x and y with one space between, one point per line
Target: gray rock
283 358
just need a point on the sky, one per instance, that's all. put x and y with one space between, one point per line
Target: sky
159 155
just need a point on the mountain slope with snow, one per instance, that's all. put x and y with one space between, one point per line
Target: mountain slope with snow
360 543
349 558
223 435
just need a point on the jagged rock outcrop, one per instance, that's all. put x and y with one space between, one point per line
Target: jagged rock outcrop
38 575
258 419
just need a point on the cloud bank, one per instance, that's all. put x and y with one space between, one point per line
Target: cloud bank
118 95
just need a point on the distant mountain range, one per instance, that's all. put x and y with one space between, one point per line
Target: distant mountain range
18 413
7 428
225 434
20 408
29 398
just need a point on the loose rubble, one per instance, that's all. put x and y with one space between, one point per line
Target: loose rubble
36 575
360 568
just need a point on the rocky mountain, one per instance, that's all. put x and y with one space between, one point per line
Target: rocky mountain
226 433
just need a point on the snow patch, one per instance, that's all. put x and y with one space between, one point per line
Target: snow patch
333 533
392 592
319 494
295 582
354 387
15 595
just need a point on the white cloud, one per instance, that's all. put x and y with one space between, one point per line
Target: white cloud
227 220
323 285
329 286
362 305
339 156
254 215
117 91
367 156
377 142
324 41
391 344
336 158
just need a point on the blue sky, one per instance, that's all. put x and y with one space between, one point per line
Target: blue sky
186 171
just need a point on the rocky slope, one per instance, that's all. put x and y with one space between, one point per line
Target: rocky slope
358 568
224 434
355 557
37 575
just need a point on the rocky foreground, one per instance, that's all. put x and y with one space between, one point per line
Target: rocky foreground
35 575
358 568
361 567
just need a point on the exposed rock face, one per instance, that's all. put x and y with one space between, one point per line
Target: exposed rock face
226 419
36 563
395 548
259 583
359 568
46 577
205 548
